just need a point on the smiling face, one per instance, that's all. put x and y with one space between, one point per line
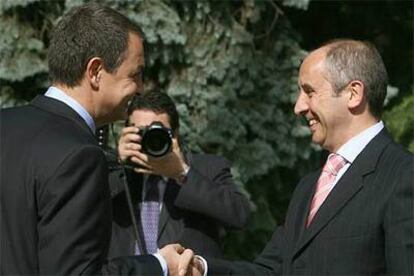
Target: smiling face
118 88
325 111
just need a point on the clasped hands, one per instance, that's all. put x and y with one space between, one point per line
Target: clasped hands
172 165
181 261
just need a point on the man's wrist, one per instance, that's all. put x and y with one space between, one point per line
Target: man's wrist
203 264
182 177
163 263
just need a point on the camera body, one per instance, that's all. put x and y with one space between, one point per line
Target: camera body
156 140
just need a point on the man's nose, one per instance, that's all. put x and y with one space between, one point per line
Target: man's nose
301 105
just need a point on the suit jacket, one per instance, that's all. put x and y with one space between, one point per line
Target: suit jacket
193 214
364 227
55 199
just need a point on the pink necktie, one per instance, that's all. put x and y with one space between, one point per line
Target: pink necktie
325 183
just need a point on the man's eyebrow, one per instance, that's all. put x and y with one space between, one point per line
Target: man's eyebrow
306 86
139 68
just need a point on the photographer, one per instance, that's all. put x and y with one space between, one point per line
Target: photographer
178 196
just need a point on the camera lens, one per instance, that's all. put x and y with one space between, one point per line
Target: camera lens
156 142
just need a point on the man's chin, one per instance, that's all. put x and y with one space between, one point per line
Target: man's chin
119 115
317 140
113 118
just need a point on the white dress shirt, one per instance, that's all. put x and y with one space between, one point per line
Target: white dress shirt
57 94
351 149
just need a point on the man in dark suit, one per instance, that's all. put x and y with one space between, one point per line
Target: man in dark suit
55 199
197 199
355 217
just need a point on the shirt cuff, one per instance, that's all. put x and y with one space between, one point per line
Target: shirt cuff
205 267
163 263
182 178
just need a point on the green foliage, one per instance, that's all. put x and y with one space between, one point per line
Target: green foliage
301 4
400 122
9 4
24 26
21 52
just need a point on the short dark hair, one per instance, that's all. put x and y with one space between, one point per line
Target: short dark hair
88 31
348 60
158 102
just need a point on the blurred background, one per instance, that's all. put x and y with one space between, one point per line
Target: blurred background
231 67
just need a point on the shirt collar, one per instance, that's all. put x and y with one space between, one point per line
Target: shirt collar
57 94
351 149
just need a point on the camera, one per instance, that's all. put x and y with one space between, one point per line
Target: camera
156 139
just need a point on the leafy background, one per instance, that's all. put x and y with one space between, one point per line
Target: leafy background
231 67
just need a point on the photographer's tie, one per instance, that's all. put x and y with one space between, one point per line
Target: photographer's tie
325 183
150 212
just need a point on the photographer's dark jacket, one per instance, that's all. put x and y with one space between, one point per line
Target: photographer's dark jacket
194 214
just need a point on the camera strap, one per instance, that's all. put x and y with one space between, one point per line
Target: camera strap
142 249
131 209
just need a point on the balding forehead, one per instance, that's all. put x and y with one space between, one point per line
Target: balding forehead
315 57
319 53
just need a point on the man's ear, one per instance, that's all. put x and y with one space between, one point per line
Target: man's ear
94 70
356 95
175 133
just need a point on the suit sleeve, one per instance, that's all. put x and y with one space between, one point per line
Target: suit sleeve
399 223
210 190
74 224
269 262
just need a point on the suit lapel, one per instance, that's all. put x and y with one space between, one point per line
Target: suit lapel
343 191
347 187
304 205
59 108
135 183
170 194
164 217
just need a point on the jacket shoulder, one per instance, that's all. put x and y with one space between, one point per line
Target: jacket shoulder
197 158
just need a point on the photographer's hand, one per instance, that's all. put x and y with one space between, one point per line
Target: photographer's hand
128 144
172 165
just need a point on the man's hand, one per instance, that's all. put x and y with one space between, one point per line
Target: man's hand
128 144
171 165
197 266
180 261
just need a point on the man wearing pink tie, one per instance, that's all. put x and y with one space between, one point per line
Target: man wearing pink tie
355 216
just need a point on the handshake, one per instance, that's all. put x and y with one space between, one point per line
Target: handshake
181 261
